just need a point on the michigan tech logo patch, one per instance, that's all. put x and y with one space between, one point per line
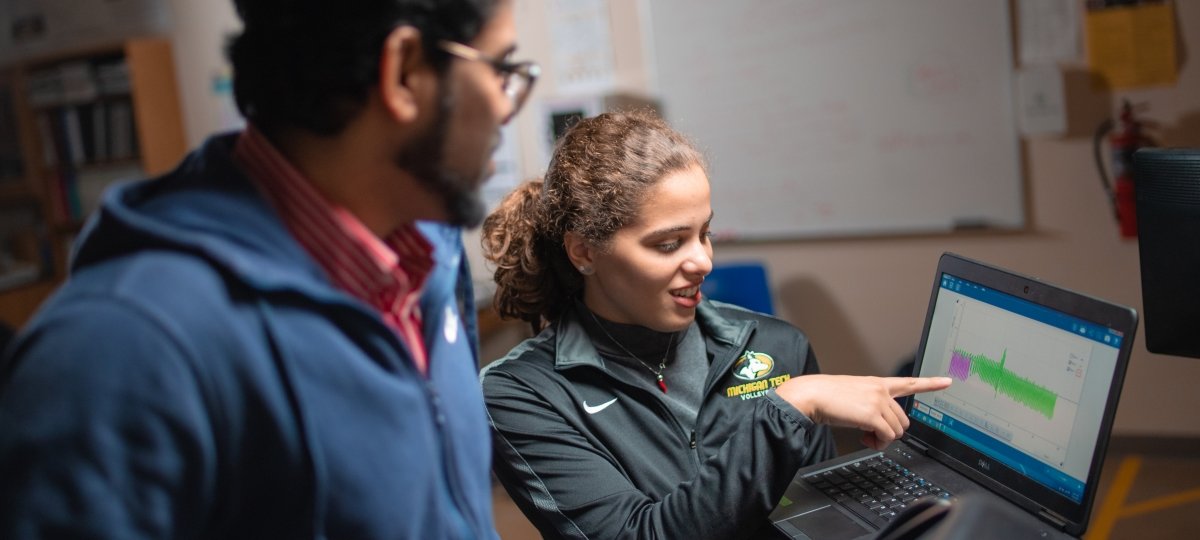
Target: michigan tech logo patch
753 365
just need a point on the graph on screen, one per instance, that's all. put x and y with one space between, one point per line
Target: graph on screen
992 372
1016 379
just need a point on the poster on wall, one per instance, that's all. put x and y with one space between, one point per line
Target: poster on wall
32 28
582 46
1132 44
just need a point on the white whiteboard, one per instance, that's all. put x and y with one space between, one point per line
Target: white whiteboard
845 117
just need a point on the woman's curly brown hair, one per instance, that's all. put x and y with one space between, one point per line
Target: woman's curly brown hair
595 185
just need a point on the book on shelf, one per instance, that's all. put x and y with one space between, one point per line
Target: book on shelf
69 150
78 82
63 84
99 130
112 78
122 142
73 135
44 88
86 148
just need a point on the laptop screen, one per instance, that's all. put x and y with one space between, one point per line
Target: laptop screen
1031 383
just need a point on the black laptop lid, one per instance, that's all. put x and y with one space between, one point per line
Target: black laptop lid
1037 373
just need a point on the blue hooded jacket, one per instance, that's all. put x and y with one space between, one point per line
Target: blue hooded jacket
199 377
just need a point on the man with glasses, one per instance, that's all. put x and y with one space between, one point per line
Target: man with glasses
274 340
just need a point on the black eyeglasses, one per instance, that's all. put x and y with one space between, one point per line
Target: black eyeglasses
518 77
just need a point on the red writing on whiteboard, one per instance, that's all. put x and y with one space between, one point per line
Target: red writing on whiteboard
940 79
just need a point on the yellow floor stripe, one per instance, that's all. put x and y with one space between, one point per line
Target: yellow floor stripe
1161 503
1110 511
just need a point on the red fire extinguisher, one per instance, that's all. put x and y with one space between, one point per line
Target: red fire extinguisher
1124 138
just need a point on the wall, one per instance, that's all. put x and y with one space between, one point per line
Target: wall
863 301
198 43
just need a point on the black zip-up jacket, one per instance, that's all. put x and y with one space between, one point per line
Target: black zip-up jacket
586 454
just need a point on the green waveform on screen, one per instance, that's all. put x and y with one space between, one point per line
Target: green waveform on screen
992 372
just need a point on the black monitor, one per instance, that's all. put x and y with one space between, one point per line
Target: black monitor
1167 183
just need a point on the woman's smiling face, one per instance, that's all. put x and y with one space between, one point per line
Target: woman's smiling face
650 271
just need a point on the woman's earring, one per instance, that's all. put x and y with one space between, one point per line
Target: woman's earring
586 270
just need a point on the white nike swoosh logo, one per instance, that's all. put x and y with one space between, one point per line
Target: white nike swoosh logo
597 408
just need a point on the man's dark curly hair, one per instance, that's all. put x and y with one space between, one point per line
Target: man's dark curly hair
310 64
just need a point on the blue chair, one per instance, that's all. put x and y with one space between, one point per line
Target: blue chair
740 283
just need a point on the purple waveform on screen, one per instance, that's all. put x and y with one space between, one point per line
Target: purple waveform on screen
960 365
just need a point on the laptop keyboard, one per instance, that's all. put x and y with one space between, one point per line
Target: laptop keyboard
875 489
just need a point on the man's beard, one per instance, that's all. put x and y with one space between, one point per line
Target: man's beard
461 195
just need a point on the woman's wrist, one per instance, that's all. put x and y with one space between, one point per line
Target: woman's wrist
792 392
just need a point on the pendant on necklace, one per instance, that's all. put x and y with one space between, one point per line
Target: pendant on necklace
662 385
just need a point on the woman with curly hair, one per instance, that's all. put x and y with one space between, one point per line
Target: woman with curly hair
642 409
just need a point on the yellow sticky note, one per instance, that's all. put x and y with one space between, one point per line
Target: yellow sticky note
1133 46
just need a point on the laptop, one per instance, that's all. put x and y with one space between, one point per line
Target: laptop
1037 373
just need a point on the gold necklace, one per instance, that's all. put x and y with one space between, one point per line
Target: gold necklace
662 366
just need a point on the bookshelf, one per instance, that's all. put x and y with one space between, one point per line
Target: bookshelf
72 125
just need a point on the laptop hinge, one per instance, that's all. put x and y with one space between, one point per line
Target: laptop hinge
1053 519
917 445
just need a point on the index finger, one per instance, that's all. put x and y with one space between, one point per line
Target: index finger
906 386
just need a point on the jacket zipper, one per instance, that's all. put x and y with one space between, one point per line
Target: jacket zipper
666 414
452 479
453 483
665 411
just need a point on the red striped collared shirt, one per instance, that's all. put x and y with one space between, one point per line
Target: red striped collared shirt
387 274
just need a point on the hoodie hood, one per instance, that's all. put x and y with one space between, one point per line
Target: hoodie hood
206 207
